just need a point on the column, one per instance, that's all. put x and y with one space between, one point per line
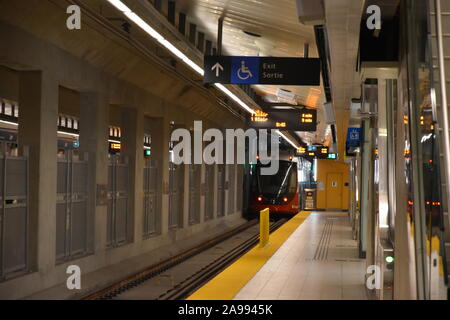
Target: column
94 115
160 131
133 148
38 101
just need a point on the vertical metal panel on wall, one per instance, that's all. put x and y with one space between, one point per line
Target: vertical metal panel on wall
71 207
152 195
231 188
14 217
240 188
209 192
176 193
221 187
118 201
194 193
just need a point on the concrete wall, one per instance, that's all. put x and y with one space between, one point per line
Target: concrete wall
42 72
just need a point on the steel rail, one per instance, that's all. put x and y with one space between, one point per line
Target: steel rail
191 283
155 270
183 289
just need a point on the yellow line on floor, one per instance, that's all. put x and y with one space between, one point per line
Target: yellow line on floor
227 284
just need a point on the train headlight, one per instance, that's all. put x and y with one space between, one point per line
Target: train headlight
259 198
285 199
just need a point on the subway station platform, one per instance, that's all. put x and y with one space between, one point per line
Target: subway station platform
313 256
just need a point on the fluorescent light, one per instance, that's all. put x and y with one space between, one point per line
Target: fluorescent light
315 169
69 134
144 26
287 139
234 97
119 5
175 51
10 123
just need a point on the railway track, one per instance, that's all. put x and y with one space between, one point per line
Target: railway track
182 289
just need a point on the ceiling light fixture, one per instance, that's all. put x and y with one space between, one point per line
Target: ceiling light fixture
119 5
287 139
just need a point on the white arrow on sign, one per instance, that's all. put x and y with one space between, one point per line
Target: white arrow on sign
218 67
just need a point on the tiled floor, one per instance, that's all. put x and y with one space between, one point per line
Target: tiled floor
318 261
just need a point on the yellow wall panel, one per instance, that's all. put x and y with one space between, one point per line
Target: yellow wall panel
328 168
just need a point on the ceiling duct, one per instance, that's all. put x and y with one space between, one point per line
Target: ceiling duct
330 117
286 95
311 12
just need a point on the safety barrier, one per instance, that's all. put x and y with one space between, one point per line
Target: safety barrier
264 223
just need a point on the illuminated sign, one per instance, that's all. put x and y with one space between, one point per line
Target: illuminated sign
306 118
322 152
332 156
262 70
114 146
259 116
287 119
301 151
315 152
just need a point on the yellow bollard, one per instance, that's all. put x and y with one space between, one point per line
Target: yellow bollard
264 228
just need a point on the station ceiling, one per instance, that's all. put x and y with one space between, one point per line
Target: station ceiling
262 28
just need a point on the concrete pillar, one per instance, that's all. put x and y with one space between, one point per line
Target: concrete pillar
94 111
160 133
38 101
132 147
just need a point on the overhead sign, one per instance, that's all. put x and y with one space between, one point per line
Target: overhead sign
353 141
262 70
311 152
354 137
296 120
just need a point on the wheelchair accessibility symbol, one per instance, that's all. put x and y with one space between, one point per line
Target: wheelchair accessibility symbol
244 72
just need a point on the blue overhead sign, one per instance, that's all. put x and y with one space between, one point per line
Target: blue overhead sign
353 141
245 70
354 136
262 70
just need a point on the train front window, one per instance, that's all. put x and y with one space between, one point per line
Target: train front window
282 183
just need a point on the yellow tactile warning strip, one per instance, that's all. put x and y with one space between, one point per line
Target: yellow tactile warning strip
227 284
